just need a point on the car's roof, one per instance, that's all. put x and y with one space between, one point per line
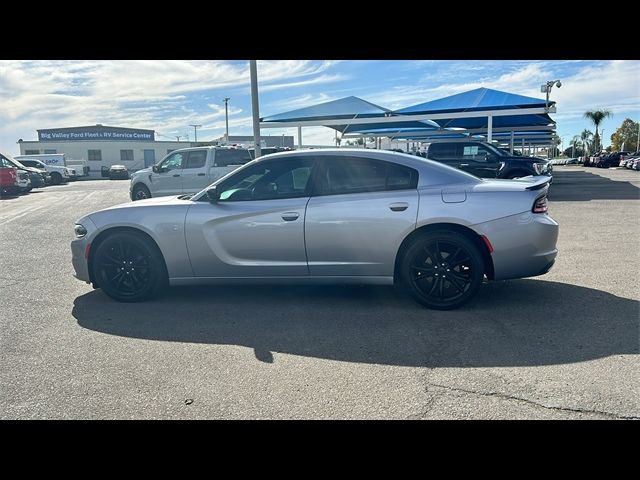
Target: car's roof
432 173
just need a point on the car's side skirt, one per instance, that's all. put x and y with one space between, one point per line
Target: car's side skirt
308 280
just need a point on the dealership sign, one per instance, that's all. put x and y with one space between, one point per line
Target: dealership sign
97 133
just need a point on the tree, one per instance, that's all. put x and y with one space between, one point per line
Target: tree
627 135
586 136
596 117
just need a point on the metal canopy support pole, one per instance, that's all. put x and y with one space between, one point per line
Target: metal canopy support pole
253 70
489 128
512 138
523 146
299 137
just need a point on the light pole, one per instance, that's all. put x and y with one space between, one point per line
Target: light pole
226 117
178 137
195 131
255 105
547 89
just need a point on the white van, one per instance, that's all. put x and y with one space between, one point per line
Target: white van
187 170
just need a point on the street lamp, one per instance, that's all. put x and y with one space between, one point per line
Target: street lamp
226 117
547 89
195 131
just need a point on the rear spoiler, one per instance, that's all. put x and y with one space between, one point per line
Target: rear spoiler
540 183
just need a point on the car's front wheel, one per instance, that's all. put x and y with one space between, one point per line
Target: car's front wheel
129 268
140 192
443 269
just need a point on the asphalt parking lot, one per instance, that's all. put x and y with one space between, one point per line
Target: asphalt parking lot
563 345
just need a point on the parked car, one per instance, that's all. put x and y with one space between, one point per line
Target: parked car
118 172
330 215
484 160
573 161
53 163
40 167
24 182
35 177
8 179
187 170
635 164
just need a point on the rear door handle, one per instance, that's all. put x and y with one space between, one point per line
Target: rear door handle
399 206
177 175
290 216
201 174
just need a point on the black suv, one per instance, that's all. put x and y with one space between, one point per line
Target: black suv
484 160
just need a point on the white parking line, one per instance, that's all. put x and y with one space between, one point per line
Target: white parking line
22 214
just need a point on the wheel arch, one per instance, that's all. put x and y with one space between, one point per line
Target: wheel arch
140 183
454 227
121 229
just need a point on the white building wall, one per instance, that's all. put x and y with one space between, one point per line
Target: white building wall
110 151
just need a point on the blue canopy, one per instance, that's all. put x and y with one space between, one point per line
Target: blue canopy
481 99
348 107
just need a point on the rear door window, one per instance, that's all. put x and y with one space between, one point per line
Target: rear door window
196 159
226 157
442 151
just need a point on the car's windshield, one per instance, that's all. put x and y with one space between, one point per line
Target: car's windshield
10 159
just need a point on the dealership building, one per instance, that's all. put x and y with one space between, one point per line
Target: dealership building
101 146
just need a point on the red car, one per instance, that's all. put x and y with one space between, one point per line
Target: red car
8 179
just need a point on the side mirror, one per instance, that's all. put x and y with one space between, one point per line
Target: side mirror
213 194
156 169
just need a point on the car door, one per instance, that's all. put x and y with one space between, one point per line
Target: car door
168 179
359 214
478 160
195 175
256 229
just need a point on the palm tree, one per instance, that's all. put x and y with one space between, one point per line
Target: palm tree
585 136
596 117
575 141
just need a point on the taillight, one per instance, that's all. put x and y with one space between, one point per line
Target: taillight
540 205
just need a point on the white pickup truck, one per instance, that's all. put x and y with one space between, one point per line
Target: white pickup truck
59 174
187 170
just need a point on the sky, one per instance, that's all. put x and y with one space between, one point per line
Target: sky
168 96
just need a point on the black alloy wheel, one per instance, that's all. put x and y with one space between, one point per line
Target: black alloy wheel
443 270
140 192
129 268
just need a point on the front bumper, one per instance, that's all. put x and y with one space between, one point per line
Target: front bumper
524 245
80 247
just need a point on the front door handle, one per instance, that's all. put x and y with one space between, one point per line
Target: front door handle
464 164
290 216
399 206
201 174
177 175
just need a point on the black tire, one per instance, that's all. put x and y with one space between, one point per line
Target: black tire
140 192
516 174
56 178
115 262
442 269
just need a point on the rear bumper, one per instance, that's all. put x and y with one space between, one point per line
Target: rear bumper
524 245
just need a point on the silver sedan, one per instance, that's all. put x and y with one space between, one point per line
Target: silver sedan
326 216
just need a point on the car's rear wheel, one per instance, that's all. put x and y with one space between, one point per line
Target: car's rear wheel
140 192
443 269
129 268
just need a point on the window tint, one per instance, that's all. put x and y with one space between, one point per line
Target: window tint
442 151
196 159
173 162
225 157
354 175
126 155
287 178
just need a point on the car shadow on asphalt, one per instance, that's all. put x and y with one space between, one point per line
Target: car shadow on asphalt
581 186
514 323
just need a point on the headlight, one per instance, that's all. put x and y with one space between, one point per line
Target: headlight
80 231
538 167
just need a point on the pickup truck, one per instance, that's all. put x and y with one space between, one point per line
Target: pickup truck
59 174
187 170
485 160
